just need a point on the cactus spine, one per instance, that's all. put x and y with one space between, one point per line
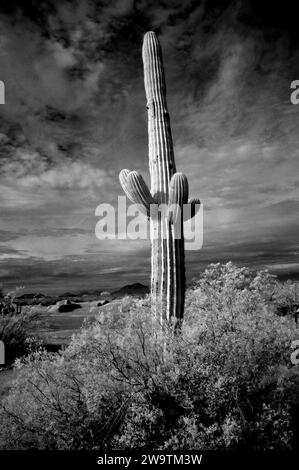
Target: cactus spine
168 189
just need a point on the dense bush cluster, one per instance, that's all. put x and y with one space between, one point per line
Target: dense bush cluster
225 382
16 330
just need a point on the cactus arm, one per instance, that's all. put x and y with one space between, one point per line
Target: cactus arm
179 189
136 190
194 204
140 189
123 178
178 196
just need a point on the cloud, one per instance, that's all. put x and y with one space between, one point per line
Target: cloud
72 176
75 115
30 180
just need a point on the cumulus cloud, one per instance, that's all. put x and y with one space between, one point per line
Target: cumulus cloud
66 176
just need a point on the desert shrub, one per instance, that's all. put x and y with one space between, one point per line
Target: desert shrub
17 333
7 299
286 297
16 330
224 382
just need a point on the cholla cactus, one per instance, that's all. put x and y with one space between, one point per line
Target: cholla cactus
169 192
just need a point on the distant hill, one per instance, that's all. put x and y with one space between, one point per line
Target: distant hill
136 289
36 299
30 296
82 293
131 289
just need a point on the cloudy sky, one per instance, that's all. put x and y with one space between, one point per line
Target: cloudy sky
75 116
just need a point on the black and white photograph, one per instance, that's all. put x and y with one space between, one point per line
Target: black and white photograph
149 231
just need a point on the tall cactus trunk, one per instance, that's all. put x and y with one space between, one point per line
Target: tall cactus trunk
169 190
168 264
168 271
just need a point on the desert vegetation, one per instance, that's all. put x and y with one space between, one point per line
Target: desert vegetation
16 327
225 382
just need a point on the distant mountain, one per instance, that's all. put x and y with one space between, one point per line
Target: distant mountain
36 299
30 296
81 293
131 289
68 294
136 289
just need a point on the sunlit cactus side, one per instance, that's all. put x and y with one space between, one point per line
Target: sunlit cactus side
136 190
168 189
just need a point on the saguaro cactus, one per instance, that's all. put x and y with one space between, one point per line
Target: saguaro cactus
169 192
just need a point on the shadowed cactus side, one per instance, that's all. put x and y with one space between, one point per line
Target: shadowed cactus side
163 204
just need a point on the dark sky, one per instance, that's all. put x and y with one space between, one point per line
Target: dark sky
75 116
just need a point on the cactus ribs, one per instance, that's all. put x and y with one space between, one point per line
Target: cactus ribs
168 189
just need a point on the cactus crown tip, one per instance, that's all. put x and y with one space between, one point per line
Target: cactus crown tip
150 36
150 33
